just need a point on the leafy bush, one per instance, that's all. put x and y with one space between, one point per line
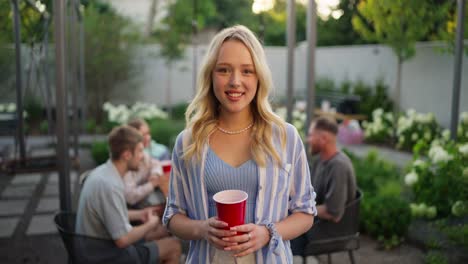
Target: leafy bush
90 126
372 97
373 174
414 127
380 129
121 114
44 127
324 85
165 131
100 152
458 234
442 180
462 132
178 111
434 257
386 217
34 108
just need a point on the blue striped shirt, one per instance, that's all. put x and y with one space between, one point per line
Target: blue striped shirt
220 176
282 190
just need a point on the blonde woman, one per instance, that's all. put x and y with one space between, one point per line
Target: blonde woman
233 140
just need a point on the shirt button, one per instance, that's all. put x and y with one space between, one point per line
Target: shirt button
260 188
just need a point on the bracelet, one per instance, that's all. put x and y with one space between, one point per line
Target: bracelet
272 229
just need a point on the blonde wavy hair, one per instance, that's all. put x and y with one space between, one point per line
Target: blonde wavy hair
202 113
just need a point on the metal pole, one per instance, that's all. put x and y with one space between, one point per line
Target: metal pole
84 104
73 84
310 67
457 69
19 94
47 77
61 106
195 46
291 41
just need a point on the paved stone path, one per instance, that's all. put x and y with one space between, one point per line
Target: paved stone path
28 203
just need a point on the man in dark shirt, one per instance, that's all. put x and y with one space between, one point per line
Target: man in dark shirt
333 179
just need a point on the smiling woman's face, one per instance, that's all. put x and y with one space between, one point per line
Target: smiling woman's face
235 80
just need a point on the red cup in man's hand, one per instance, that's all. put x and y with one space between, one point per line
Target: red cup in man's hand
230 205
166 166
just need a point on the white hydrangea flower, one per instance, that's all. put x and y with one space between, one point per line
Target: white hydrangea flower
427 135
446 134
377 113
438 155
411 178
389 116
419 163
11 107
282 112
465 172
414 136
463 149
2 107
464 117
411 112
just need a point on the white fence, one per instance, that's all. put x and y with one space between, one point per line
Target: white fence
426 78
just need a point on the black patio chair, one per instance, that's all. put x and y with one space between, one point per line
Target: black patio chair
337 237
90 250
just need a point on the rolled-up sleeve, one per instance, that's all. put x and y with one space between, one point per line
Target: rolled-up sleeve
302 197
176 203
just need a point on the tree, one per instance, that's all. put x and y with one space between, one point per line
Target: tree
447 28
398 24
340 31
110 42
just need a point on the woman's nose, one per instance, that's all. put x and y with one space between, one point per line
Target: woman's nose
235 79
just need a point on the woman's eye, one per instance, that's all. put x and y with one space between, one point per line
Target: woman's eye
222 70
248 71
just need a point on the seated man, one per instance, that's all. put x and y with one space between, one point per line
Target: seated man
102 210
333 178
140 185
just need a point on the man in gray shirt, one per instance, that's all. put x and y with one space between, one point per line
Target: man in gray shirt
332 175
102 210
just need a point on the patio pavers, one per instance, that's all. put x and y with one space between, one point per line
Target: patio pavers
53 178
26 179
7 226
48 205
12 207
53 190
14 191
41 224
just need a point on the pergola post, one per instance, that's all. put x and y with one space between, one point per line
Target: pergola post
310 67
19 88
457 69
63 156
291 42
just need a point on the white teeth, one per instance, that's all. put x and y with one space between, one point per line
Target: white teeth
235 94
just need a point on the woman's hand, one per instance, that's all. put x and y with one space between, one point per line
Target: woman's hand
254 238
214 232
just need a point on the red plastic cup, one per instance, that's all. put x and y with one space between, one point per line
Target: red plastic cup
230 205
166 166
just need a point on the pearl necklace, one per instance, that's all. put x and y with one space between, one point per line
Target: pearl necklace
235 131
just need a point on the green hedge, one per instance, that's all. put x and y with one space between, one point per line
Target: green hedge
99 152
385 215
165 131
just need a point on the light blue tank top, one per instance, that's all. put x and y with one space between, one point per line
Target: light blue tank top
220 176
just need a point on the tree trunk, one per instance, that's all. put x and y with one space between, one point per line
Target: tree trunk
151 16
398 86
